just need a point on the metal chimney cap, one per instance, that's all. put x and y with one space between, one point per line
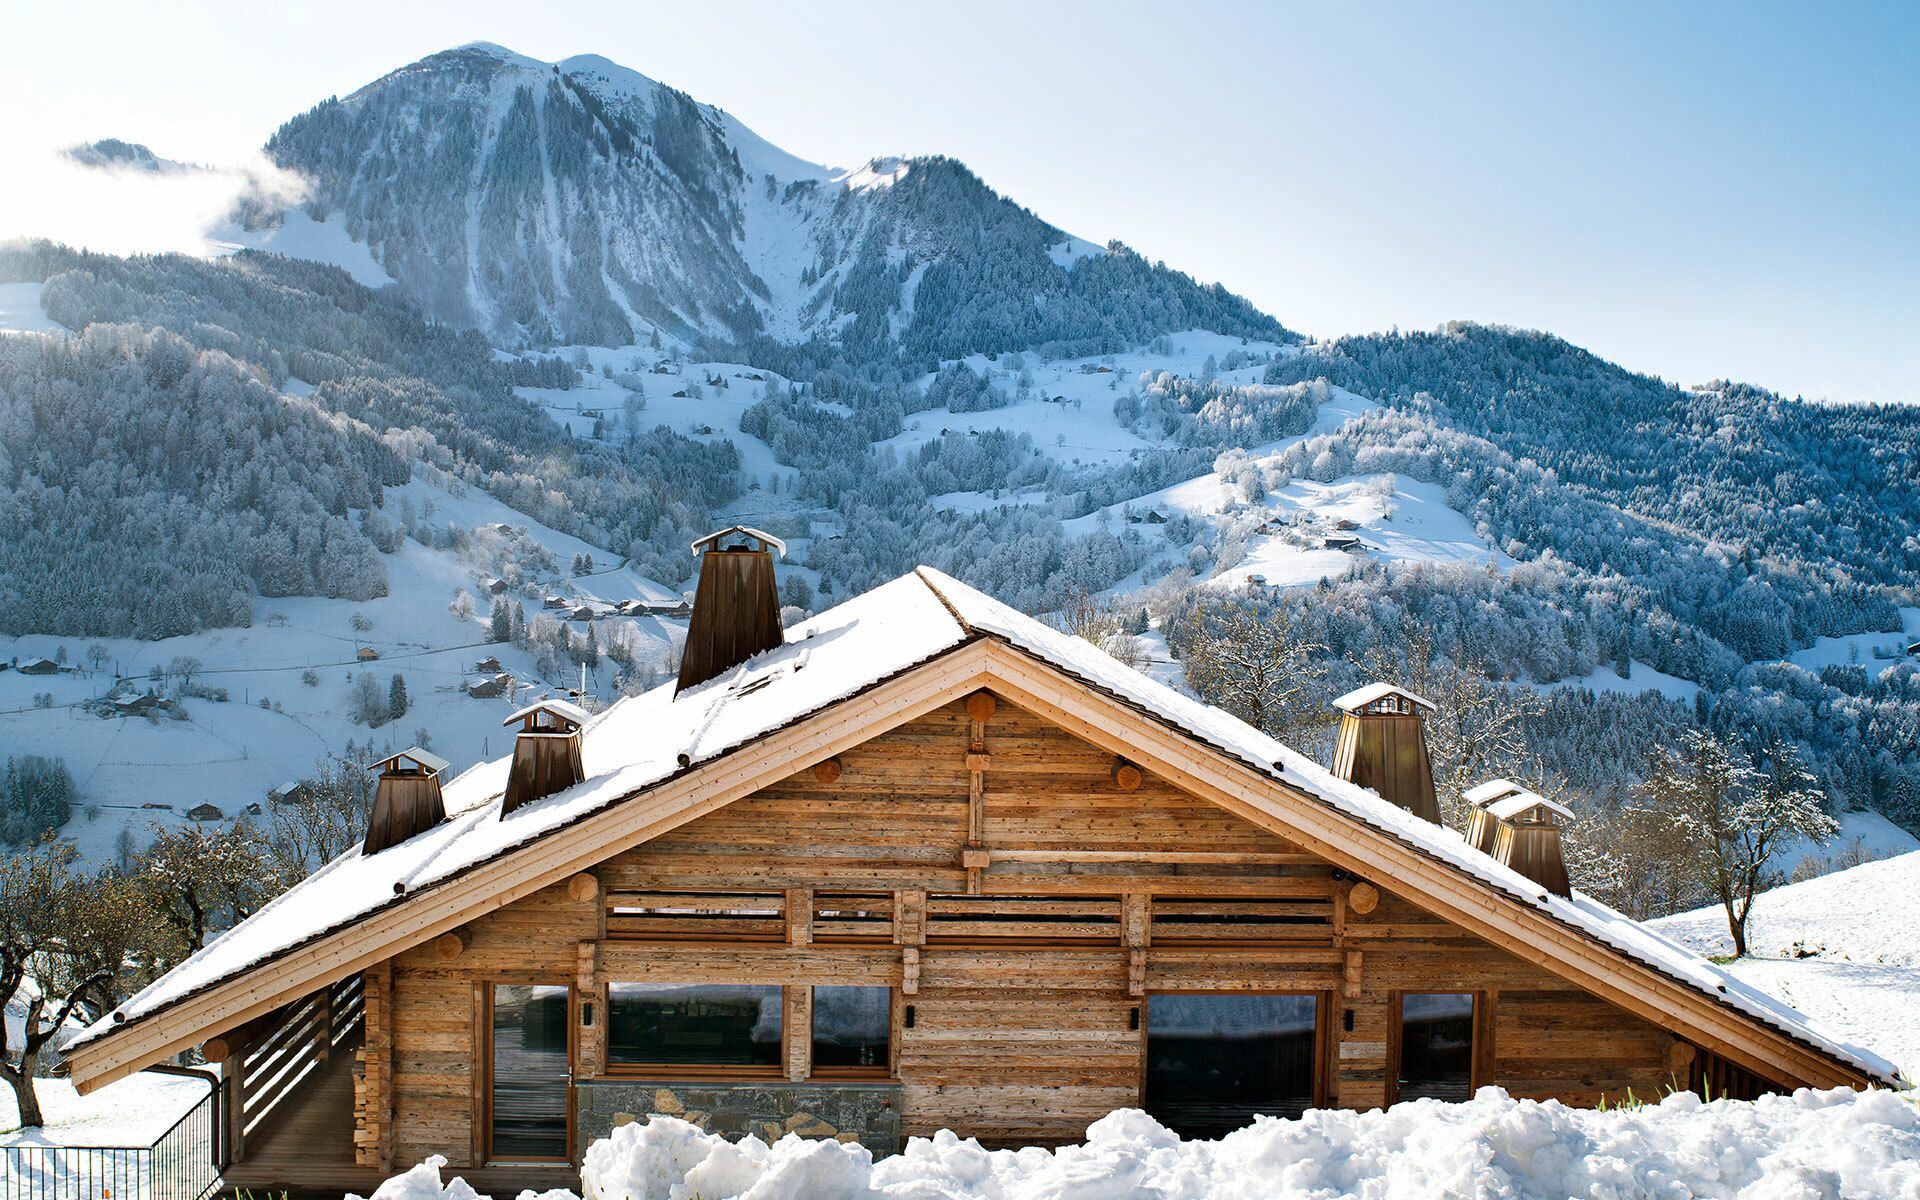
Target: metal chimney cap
1375 692
564 709
766 539
1524 802
428 762
1486 793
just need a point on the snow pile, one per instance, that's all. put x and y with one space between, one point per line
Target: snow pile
1808 1145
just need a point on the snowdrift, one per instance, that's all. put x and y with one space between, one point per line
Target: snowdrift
1807 1146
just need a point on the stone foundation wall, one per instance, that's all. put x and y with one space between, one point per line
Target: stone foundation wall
868 1113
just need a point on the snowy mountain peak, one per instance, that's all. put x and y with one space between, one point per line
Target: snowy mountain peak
582 201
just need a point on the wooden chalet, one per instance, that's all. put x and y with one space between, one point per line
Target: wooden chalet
918 863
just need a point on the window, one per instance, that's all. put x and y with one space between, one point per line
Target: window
1436 1046
851 1026
1215 1062
531 1071
731 1027
697 916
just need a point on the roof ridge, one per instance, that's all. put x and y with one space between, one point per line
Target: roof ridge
966 627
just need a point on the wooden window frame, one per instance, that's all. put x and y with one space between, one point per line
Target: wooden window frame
1323 1039
699 1072
483 1022
880 1074
1478 1054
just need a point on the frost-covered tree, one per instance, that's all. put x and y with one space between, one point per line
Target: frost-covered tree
367 701
1730 817
1248 658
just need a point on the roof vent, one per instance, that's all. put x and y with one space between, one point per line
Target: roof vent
1481 825
1528 839
406 800
546 754
736 608
1382 745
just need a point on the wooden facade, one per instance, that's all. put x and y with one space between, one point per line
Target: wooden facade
1033 868
1027 973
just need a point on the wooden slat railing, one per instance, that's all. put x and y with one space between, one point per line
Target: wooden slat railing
301 1039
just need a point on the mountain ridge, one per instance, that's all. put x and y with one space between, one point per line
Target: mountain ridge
581 201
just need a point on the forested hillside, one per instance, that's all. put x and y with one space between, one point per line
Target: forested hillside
151 488
429 393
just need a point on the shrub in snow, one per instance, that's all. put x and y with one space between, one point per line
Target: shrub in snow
1807 1146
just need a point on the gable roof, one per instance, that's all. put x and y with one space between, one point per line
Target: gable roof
662 745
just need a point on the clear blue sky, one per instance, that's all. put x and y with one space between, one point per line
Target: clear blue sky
1695 190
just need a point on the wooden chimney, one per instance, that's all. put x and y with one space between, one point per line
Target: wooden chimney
1481 825
1382 745
406 799
736 607
1527 838
546 754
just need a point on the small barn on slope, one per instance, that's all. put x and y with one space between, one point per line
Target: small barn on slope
920 862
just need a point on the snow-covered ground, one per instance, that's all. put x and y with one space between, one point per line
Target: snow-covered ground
1070 410
1801 1147
21 312
1640 678
300 236
1842 948
1871 650
130 1112
231 753
131 1115
1863 834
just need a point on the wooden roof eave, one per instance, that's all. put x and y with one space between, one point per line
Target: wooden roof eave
1524 930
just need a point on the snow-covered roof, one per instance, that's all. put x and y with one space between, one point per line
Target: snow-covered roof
1508 808
557 707
1361 697
643 740
1482 794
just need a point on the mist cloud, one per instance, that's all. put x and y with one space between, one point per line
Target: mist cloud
125 209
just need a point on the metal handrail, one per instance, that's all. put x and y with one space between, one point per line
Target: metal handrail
180 1164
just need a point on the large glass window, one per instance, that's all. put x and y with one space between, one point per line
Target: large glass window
1216 1062
850 1029
1436 1046
531 1073
734 1026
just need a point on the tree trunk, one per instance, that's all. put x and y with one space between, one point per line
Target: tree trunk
24 1095
1737 926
